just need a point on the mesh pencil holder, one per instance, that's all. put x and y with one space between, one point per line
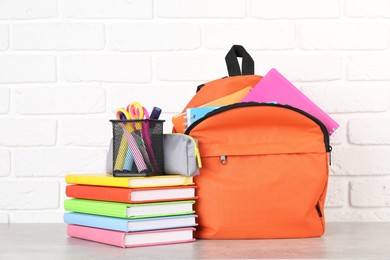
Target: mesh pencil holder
138 147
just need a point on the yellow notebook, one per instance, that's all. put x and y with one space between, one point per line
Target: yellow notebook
130 182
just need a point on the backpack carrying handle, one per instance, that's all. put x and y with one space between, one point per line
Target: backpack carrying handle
231 58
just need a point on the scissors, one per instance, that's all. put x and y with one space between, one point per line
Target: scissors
132 142
138 112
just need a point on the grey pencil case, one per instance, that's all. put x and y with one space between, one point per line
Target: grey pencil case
181 155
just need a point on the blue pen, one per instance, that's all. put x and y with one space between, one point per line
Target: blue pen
156 112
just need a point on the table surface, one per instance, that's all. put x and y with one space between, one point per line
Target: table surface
341 240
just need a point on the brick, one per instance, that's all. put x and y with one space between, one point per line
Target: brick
339 136
160 96
28 132
107 68
27 68
58 161
4 37
348 99
164 37
357 215
28 9
360 160
29 195
298 9
4 218
302 67
370 193
191 67
332 36
373 130
37 217
367 8
60 100
5 163
269 36
368 67
200 8
4 100
203 67
58 36
113 9
86 132
337 193
168 126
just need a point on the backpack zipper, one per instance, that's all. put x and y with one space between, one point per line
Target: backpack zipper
196 149
253 104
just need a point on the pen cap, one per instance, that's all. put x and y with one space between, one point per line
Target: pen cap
156 112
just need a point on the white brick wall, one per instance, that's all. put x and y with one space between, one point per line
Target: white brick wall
29 195
86 132
368 67
27 68
331 36
4 100
58 161
370 193
200 8
60 100
107 68
298 9
367 8
58 36
28 9
113 9
5 162
4 37
28 132
154 36
259 36
66 65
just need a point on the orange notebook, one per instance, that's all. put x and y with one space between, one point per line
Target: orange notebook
127 195
179 121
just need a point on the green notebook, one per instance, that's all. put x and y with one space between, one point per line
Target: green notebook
126 210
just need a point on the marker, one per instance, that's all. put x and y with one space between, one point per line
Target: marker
156 112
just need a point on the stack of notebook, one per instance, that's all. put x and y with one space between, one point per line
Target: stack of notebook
130 211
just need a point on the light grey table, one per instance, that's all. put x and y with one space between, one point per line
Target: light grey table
341 240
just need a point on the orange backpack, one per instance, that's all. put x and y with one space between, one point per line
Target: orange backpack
265 166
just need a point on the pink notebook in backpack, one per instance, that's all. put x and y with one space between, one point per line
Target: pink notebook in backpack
276 88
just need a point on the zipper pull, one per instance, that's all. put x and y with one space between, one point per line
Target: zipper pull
197 154
330 155
223 159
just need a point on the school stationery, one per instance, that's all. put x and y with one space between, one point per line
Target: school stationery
125 156
127 210
131 182
138 112
156 112
275 87
135 125
179 121
132 239
181 155
128 195
129 225
193 114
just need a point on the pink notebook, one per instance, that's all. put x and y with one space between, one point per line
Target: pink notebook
276 88
132 239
